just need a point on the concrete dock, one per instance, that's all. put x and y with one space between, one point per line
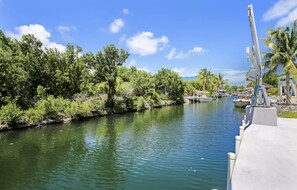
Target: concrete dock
267 157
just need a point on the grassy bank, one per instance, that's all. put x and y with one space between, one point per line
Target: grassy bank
58 110
288 114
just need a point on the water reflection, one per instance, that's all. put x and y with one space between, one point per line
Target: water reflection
239 110
124 151
25 153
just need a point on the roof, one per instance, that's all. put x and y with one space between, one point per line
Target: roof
284 77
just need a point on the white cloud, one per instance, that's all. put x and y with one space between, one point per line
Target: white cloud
173 54
181 55
144 69
64 29
184 72
197 50
123 38
39 32
144 43
229 72
288 19
279 9
180 71
234 76
285 10
125 11
117 25
132 63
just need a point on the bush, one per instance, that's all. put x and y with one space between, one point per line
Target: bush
129 101
149 102
159 99
124 89
96 89
272 91
10 114
34 116
52 108
120 106
78 109
97 104
141 103
41 92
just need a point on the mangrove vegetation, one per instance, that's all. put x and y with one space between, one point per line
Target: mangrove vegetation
39 85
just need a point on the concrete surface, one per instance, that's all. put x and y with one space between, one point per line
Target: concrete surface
265 116
262 115
267 158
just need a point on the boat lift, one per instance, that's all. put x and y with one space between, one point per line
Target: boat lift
255 73
259 112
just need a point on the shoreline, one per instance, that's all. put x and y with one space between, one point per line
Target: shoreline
46 122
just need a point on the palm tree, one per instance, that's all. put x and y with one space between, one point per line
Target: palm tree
204 78
214 82
282 46
222 81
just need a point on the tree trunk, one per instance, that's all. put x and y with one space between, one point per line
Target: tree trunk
288 88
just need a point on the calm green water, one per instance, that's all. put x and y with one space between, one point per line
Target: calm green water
178 147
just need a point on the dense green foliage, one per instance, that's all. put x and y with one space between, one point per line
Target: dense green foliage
43 85
272 91
282 45
206 81
191 88
10 114
40 85
270 78
209 81
104 65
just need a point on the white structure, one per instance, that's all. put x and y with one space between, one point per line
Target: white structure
266 159
282 86
260 102
255 73
258 114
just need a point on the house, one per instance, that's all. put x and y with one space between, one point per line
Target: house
282 86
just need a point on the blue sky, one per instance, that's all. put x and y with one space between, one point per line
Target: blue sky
184 36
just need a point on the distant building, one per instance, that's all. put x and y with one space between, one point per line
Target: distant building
282 86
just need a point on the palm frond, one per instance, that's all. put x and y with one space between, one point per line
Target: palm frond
291 68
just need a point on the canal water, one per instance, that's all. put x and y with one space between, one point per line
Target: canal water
177 147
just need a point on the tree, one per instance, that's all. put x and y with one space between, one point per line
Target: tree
270 78
221 80
203 78
210 81
190 90
233 88
282 45
13 76
143 83
170 83
105 64
126 74
38 84
214 83
76 68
